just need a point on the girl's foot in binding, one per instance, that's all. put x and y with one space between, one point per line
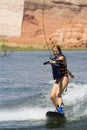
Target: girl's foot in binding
60 110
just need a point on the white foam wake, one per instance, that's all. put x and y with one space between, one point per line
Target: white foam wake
76 93
76 101
23 114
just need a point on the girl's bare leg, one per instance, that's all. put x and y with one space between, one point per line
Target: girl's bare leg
62 85
53 96
57 90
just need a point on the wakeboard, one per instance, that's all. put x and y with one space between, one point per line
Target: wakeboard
55 117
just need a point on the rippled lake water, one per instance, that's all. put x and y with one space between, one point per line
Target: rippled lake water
25 84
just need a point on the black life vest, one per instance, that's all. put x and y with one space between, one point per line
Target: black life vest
59 70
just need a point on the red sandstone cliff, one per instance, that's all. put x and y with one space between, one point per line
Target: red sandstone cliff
64 22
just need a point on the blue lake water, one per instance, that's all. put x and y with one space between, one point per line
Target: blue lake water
25 84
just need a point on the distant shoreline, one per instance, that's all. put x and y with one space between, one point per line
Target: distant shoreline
4 45
36 49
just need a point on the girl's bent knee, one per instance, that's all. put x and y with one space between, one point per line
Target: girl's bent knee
52 96
59 95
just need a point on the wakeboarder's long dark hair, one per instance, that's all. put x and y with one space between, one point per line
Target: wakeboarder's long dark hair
58 48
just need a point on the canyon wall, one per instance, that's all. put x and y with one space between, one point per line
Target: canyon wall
62 22
11 15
